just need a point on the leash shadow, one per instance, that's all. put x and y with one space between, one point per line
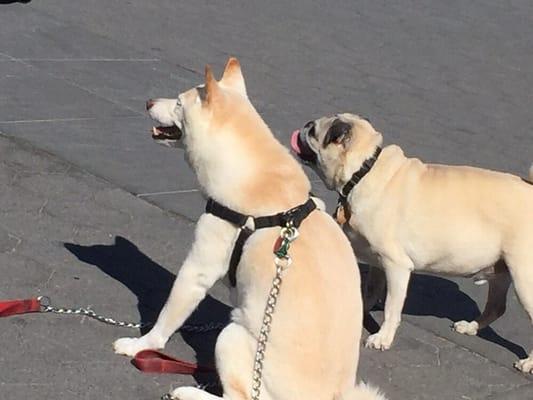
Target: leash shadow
425 298
151 284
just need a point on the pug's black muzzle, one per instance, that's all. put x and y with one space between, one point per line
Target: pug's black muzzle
301 147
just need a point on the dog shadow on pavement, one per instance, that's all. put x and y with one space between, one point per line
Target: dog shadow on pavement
151 283
14 1
430 295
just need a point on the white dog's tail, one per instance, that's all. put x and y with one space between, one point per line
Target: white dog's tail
363 392
531 173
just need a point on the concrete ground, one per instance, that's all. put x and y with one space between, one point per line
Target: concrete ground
93 214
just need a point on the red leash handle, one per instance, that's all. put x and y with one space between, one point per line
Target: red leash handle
13 307
154 361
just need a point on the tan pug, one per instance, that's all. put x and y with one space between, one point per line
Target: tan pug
313 347
413 216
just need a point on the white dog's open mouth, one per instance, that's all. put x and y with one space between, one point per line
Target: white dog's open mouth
166 133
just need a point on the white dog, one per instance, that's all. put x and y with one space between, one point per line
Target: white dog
414 216
313 347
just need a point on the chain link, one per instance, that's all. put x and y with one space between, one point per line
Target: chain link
47 307
282 262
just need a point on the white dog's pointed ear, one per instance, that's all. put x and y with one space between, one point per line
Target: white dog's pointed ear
232 76
211 86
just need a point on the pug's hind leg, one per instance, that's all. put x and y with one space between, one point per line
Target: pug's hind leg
374 287
499 284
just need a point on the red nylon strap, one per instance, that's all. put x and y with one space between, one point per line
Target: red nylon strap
12 307
154 361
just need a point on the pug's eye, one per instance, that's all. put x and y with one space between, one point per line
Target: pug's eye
338 132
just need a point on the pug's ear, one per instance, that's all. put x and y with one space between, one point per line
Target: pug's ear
211 86
339 133
232 76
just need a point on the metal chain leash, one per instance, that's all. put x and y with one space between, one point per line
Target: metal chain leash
47 307
282 262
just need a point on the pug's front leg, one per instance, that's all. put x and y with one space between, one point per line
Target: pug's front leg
397 283
206 262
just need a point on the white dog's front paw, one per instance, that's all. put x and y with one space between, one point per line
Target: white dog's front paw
131 346
525 365
378 341
185 393
466 328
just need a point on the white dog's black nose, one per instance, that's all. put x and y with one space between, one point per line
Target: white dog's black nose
149 104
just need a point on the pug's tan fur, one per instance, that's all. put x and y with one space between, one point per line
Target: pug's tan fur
313 349
413 216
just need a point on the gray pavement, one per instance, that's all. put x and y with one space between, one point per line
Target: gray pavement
92 213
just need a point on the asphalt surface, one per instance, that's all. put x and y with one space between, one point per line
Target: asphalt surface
92 213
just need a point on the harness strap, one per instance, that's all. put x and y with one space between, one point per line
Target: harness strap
236 254
295 215
225 213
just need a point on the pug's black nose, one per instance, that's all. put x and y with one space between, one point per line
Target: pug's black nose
149 104
309 125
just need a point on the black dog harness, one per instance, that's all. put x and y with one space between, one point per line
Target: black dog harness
248 225
354 180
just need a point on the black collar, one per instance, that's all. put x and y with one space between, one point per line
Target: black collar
248 225
360 173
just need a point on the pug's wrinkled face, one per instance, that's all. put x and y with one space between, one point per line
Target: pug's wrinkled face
326 144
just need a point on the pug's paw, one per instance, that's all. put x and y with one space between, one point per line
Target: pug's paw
378 341
525 365
466 328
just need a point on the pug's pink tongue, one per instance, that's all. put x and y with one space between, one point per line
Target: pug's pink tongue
294 141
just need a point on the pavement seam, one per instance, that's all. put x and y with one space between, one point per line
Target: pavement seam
30 121
71 83
28 146
95 59
498 396
431 332
168 192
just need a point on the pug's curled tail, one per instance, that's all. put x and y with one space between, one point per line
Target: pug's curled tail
363 392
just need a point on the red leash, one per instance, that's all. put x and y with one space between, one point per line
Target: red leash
154 361
13 307
146 360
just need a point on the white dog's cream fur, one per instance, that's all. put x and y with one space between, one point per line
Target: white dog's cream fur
412 216
313 349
